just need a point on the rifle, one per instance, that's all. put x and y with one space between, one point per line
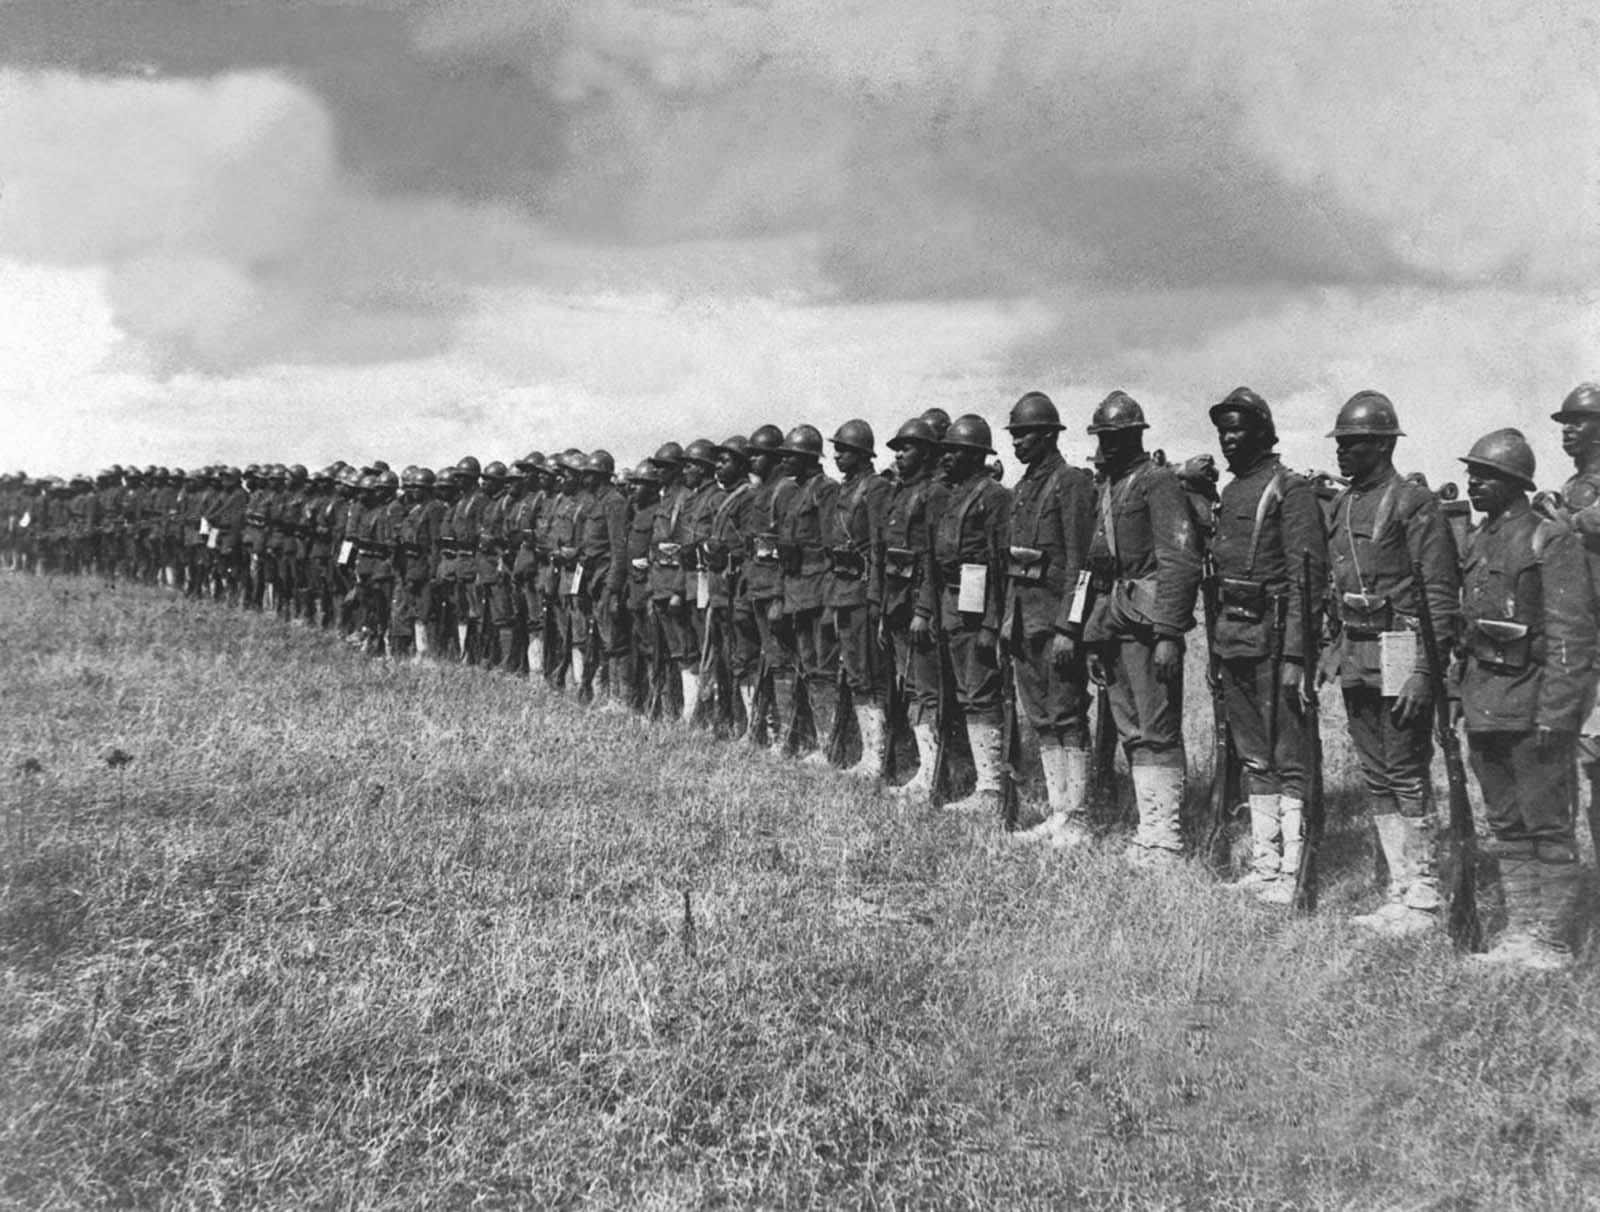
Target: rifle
1010 730
659 659
726 692
1305 876
1466 929
1223 797
843 711
761 703
800 731
894 701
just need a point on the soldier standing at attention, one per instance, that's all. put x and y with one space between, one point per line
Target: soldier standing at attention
417 541
722 555
627 681
600 580
703 496
522 536
466 517
1266 517
1579 418
805 567
667 586
760 604
909 601
1145 562
1052 520
1378 528
1529 642
969 539
852 533
495 549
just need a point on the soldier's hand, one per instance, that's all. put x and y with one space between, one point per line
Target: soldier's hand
1328 665
1169 660
921 630
1097 668
775 611
1063 648
1294 686
988 637
1411 702
1548 740
675 602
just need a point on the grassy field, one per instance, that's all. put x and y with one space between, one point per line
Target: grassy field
340 933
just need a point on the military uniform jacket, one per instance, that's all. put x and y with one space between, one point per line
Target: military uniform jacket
974 528
1145 554
763 565
641 533
229 519
521 527
374 538
458 538
671 536
1266 518
602 543
800 546
559 521
908 576
1375 533
258 519
722 553
1052 523
1528 634
418 539
495 545
852 533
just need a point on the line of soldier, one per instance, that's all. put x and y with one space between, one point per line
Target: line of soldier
739 585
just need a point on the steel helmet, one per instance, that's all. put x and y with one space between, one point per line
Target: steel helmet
916 429
1117 411
669 453
1244 400
411 477
1582 401
856 435
1035 410
1367 414
298 473
647 473
601 461
939 419
386 479
803 440
470 466
532 461
767 438
969 432
738 446
701 451
1506 452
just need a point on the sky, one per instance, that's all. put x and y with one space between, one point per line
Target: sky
286 231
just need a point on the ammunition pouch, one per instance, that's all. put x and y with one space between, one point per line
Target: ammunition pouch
1027 564
846 563
715 557
1365 616
899 563
689 557
791 558
1501 644
1102 571
667 555
1241 599
764 549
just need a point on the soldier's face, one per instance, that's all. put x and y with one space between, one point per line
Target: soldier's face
694 474
1362 454
849 461
1580 435
1031 445
1241 437
911 458
1489 493
730 468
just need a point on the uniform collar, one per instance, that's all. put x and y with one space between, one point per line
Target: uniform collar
1045 466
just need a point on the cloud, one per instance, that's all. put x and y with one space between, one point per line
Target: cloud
230 235
955 146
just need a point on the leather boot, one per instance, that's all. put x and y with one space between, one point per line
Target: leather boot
824 705
619 699
985 798
1413 903
1066 784
920 785
1158 790
1292 818
873 725
1517 873
1266 817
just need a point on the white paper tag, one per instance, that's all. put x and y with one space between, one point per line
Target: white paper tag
577 578
1397 661
702 589
974 588
347 551
1080 598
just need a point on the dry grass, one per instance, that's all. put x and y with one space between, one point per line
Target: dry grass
343 934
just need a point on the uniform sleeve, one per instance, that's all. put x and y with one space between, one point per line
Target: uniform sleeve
997 514
934 503
1076 505
1303 533
1433 546
616 515
877 509
1177 551
1569 628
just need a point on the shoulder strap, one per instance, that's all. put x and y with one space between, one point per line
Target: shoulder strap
1272 492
